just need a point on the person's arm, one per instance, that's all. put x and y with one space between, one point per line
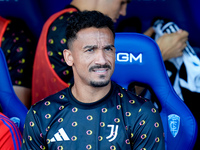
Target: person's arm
148 132
10 136
171 45
32 136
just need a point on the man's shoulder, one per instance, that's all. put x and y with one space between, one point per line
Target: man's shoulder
136 108
131 100
128 94
51 102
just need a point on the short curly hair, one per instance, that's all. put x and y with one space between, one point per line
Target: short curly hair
87 19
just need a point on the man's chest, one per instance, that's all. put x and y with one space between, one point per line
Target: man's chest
89 130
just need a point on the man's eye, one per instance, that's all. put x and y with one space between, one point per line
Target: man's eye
90 50
122 3
108 49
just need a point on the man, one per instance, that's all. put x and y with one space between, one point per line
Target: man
94 113
50 73
49 59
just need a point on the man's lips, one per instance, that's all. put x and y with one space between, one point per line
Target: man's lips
100 68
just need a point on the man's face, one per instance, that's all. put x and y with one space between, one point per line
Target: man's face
114 8
92 56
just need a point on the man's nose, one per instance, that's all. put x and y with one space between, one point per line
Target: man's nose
123 10
100 57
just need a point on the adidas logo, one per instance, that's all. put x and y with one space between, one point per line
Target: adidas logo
60 136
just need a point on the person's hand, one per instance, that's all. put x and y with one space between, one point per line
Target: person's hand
149 32
171 45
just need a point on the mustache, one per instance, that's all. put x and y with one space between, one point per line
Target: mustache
99 66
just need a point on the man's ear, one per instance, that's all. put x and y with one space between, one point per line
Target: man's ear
68 57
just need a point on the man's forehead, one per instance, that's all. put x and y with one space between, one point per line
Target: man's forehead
89 32
94 36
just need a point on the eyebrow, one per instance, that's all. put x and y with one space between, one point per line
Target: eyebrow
90 46
126 2
95 46
109 46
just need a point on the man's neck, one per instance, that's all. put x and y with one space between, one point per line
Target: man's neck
89 94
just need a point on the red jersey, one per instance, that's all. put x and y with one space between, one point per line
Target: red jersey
10 136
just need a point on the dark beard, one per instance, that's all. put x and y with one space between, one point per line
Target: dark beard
99 84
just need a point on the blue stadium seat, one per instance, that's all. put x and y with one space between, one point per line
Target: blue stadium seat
13 108
138 59
27 10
